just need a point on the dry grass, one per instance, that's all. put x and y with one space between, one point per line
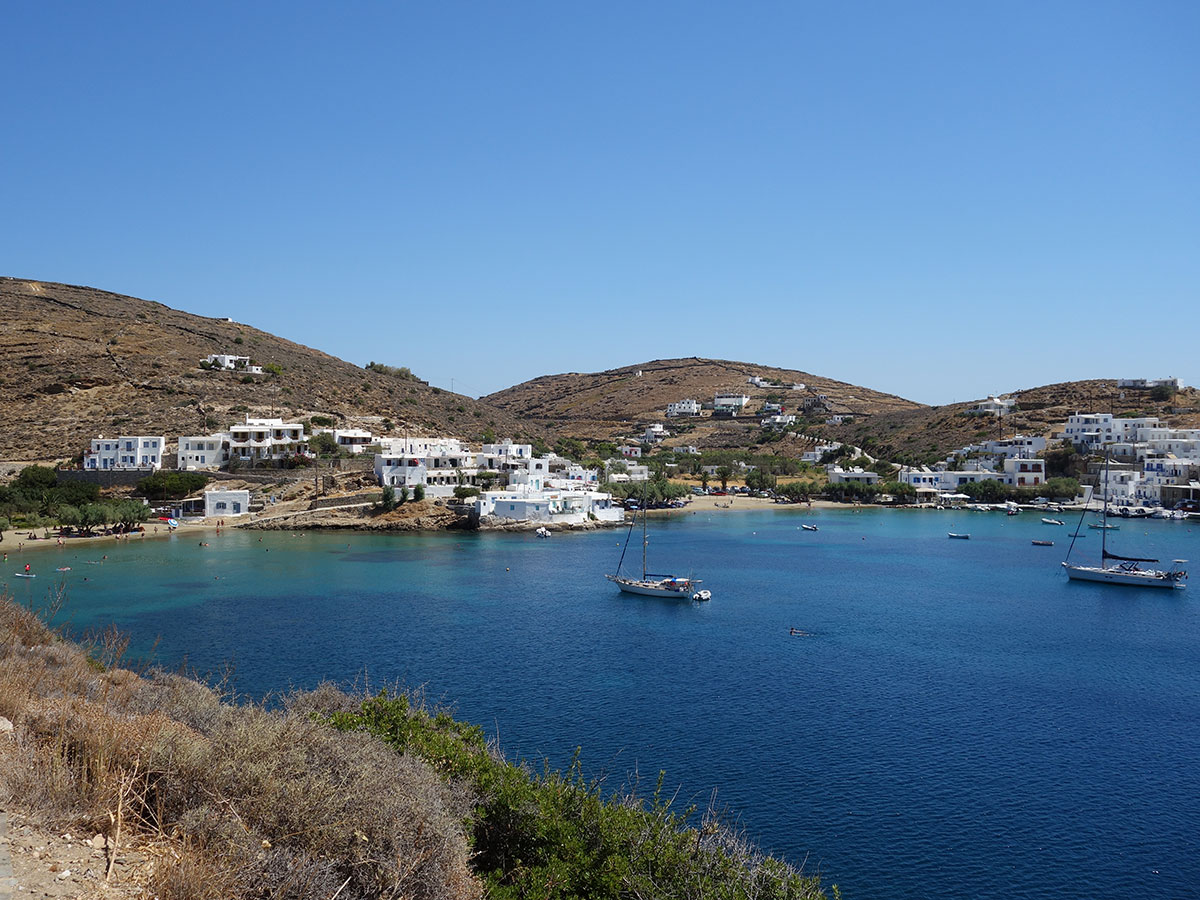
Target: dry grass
243 800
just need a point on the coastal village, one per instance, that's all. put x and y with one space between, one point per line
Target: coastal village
260 467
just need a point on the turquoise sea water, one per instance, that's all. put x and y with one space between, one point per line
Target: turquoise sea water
960 722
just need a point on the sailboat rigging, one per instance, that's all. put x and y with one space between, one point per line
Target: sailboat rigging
1126 569
651 585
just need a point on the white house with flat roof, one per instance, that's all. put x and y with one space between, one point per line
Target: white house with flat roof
125 452
993 406
1146 384
563 507
233 363
219 504
203 451
683 408
654 433
778 421
730 401
355 440
439 465
265 438
838 475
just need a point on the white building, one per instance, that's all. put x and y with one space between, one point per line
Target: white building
994 406
631 451
1018 445
778 421
730 402
439 465
1024 472
219 504
838 475
1089 431
839 420
125 452
206 451
654 433
233 363
564 507
683 408
1146 384
354 440
265 438
633 472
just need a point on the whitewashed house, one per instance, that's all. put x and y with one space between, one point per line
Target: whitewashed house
265 438
631 451
683 408
354 440
561 507
633 471
778 421
838 475
125 452
233 363
205 451
1146 384
730 402
994 406
439 465
654 433
220 504
1024 472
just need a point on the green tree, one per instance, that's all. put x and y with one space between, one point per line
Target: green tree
129 513
724 473
389 498
323 444
404 493
704 479
93 515
419 493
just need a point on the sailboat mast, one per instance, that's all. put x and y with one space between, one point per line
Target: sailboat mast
643 543
1104 519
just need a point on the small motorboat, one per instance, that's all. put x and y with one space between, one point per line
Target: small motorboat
1046 521
961 537
702 595
809 527
24 575
63 569
543 532
1104 526
1043 543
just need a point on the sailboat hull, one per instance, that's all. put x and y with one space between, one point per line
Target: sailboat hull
1142 578
678 588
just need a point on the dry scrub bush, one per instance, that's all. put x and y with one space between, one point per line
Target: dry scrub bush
257 801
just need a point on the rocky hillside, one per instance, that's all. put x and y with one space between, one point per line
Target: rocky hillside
619 402
76 362
925 434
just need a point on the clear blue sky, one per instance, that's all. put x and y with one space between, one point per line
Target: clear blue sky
938 200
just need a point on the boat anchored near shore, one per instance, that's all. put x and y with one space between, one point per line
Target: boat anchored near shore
651 585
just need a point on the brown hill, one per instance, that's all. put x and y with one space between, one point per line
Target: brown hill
76 362
927 434
618 402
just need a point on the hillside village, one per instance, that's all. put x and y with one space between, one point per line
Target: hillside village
508 483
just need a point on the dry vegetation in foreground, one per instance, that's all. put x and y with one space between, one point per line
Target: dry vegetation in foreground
243 801
328 795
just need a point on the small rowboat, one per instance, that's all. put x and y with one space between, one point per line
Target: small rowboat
24 575
961 537
809 527
1043 543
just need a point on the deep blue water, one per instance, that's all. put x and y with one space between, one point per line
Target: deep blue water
962 721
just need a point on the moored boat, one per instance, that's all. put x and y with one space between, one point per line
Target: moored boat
1124 570
651 585
961 537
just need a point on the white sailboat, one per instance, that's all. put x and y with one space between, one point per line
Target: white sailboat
1126 570
651 585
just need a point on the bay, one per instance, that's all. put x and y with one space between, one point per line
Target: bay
959 720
